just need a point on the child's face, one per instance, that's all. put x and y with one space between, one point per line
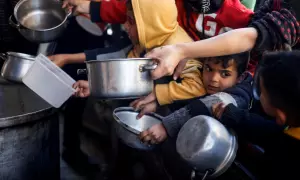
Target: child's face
216 78
130 28
267 106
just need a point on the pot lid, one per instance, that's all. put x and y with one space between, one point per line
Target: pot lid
19 105
126 116
21 55
89 26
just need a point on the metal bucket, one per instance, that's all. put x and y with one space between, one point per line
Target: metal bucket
29 135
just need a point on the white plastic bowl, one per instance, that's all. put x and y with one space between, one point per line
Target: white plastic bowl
49 81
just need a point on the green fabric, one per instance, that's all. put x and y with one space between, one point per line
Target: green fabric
250 4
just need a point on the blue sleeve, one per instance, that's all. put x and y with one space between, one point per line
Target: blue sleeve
242 92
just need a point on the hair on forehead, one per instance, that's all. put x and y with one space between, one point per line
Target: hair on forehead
241 60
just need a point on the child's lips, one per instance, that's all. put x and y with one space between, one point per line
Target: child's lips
212 88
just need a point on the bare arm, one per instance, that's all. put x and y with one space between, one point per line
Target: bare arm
232 42
63 59
75 58
175 56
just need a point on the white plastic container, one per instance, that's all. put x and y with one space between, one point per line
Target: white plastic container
49 81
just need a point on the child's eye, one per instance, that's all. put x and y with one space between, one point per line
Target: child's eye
225 74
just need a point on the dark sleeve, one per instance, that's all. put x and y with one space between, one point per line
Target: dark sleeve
276 25
177 119
248 126
95 11
242 92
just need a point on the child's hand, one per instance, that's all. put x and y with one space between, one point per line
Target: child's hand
218 109
80 6
82 89
155 135
146 104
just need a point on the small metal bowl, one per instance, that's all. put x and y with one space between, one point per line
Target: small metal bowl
128 127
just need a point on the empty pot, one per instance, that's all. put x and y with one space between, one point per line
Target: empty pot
206 145
40 21
127 78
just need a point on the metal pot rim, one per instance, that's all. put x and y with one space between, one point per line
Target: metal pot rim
228 160
19 119
118 59
39 30
22 55
130 109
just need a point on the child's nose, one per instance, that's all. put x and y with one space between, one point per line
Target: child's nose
215 77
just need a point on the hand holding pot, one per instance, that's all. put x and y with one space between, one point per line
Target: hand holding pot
81 6
82 89
155 135
146 104
218 110
170 59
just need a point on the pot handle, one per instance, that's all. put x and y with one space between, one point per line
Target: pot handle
3 56
147 67
11 22
193 174
81 71
70 14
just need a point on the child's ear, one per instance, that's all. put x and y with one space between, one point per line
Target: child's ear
280 116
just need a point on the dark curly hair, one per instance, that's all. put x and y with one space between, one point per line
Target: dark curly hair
241 60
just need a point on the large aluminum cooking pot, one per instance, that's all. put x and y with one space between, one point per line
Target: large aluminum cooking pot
128 127
15 65
120 78
206 145
40 21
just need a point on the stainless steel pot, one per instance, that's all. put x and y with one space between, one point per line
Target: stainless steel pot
128 127
40 21
120 78
15 65
206 145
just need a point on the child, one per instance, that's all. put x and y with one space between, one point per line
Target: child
152 24
279 80
224 79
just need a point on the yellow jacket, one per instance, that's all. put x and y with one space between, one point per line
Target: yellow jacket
157 26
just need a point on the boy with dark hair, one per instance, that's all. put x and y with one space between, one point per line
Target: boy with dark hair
279 84
224 79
